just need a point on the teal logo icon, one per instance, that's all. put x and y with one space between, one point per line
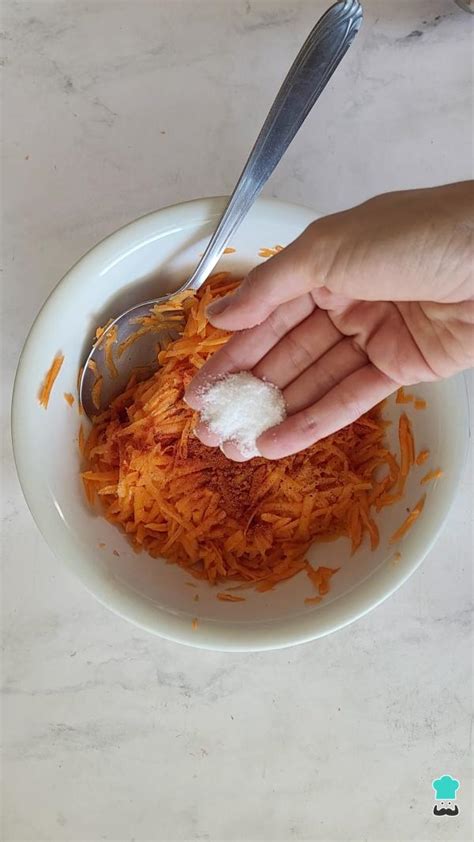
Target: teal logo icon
445 788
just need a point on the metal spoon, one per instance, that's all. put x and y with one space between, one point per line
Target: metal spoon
308 76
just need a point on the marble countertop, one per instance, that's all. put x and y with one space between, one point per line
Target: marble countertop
112 109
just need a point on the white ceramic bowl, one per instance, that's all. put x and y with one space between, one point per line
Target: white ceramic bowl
121 271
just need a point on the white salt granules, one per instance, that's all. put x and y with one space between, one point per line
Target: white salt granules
240 407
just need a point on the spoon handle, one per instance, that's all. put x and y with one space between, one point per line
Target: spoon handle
309 74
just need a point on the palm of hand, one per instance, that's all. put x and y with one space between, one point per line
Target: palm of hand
334 358
405 341
334 351
408 342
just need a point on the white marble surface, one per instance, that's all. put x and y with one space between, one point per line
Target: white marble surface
113 108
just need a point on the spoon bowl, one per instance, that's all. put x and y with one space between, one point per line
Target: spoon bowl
120 352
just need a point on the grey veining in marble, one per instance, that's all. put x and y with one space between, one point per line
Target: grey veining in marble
113 108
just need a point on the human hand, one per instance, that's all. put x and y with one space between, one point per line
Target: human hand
363 302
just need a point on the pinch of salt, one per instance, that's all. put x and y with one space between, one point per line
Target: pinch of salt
240 407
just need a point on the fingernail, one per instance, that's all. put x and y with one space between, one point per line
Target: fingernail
218 307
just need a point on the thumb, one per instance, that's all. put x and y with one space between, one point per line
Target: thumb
282 278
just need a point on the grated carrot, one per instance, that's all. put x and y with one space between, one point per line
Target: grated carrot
409 521
195 624
109 342
48 382
403 397
431 475
229 597
407 460
69 398
226 522
229 250
419 403
422 457
101 330
312 600
320 577
97 391
270 252
407 448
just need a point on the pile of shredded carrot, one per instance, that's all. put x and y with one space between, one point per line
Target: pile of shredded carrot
225 522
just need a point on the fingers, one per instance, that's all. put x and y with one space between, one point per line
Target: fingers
232 452
270 284
407 246
333 392
205 435
327 372
210 439
413 245
342 405
296 351
244 350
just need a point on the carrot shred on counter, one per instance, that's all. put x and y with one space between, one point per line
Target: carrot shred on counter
409 521
226 522
229 597
431 475
419 403
195 624
69 398
312 600
229 250
422 457
48 382
402 396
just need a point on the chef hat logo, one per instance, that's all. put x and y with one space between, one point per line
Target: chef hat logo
445 788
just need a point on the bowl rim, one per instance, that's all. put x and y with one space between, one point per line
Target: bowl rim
214 635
